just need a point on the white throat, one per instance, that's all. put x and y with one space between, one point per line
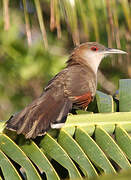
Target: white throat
93 59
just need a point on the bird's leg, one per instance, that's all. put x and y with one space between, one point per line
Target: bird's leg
57 126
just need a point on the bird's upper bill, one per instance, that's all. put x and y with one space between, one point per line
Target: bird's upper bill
113 51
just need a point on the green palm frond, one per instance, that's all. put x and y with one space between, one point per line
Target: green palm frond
87 146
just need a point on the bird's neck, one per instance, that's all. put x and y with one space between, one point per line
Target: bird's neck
84 62
92 64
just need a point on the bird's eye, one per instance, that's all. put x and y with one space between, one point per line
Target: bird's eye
94 48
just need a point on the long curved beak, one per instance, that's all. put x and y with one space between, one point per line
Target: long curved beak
114 51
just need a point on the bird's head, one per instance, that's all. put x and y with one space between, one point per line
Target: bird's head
91 54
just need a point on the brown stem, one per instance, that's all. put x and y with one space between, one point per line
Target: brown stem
6 14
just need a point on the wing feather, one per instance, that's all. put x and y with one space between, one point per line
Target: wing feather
51 107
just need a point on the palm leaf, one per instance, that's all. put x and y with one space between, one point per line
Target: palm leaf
85 147
38 157
9 171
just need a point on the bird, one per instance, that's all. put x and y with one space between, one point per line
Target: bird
72 88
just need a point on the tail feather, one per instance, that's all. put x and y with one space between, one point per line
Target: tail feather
37 117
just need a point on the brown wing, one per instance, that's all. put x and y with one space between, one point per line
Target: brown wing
51 107
80 86
73 85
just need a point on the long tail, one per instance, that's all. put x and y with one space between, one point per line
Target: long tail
37 117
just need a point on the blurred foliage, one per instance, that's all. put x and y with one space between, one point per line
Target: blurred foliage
23 71
25 64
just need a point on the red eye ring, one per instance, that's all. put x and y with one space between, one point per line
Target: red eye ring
94 48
